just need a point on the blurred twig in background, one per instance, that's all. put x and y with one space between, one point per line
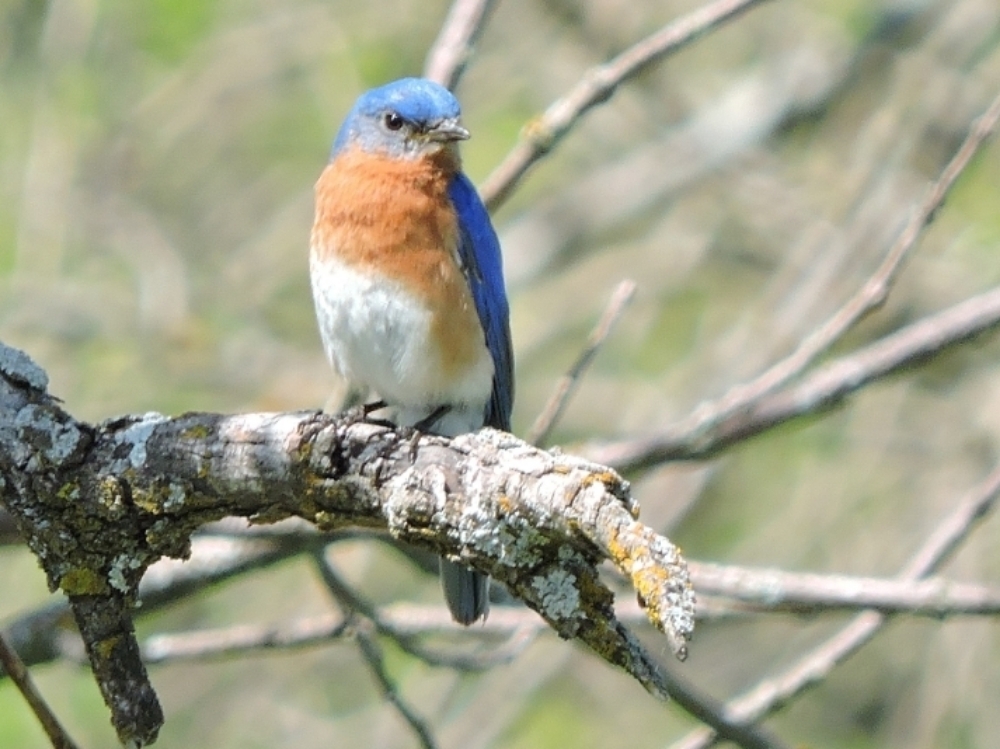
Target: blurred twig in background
360 623
773 692
14 669
596 86
547 419
699 431
452 50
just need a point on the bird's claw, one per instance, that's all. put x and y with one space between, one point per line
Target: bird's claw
363 414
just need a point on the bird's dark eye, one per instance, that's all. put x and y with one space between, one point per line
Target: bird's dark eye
393 121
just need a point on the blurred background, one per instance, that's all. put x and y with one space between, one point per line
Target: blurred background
156 170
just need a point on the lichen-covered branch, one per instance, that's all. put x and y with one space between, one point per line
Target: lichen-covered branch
99 504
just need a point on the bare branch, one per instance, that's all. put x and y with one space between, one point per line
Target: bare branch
756 591
453 47
212 643
44 635
713 713
116 497
376 662
698 428
772 590
775 691
408 643
540 430
22 680
596 86
824 388
403 622
362 627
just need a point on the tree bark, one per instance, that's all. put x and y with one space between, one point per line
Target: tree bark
99 504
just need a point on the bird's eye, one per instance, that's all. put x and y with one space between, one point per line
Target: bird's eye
393 121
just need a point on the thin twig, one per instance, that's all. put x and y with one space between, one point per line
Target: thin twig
547 419
698 426
749 737
403 621
243 638
597 85
773 590
17 672
517 641
819 390
453 47
775 691
724 591
362 626
376 662
713 713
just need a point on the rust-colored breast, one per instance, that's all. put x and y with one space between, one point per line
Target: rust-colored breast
392 217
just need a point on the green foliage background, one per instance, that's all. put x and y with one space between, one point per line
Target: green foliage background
156 167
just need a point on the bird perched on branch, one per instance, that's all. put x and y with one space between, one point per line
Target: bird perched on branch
408 282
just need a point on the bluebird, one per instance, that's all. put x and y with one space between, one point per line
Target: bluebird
407 279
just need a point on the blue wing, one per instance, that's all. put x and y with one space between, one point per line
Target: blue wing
479 250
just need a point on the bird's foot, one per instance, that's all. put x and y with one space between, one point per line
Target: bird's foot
426 423
363 413
409 434
412 434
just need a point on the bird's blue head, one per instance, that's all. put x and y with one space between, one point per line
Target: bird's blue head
409 118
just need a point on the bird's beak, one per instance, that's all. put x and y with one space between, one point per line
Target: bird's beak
448 130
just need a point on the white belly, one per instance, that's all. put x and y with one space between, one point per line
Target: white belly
376 335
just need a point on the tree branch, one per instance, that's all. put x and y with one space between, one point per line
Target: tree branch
772 590
550 414
453 47
597 85
773 692
22 679
710 425
822 389
99 504
361 625
8 530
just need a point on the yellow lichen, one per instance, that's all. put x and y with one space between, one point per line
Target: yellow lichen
305 451
81 581
606 478
67 492
618 551
196 432
111 491
106 647
505 505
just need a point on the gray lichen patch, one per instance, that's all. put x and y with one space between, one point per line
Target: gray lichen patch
137 434
175 498
519 543
558 594
118 575
52 440
20 367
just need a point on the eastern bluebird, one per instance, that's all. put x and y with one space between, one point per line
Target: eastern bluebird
408 281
